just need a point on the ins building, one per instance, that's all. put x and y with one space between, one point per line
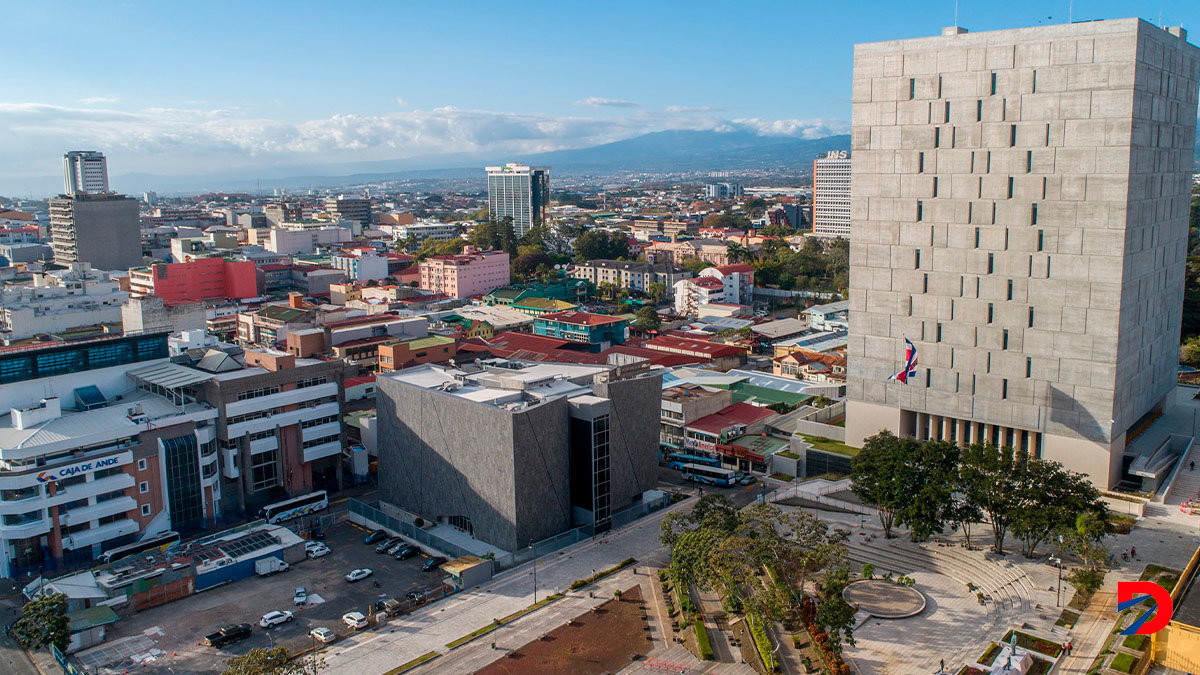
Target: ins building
831 195
85 171
519 192
515 452
1020 205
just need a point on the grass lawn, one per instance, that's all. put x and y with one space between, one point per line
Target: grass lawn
1067 619
1123 663
1135 642
990 655
1153 570
1039 667
1035 644
830 445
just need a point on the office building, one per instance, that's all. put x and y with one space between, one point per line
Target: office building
59 301
515 452
473 273
519 192
91 459
353 209
287 212
1020 204
724 191
85 172
597 331
831 195
101 229
200 279
361 264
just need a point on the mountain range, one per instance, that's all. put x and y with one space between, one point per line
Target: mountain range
657 152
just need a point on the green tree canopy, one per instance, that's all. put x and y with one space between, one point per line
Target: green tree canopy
275 661
43 622
601 245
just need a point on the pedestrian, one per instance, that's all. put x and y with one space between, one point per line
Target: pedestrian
1070 647
1191 466
941 665
1066 649
1132 551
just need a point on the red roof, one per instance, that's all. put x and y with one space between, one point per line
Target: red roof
738 413
355 381
712 350
356 320
655 357
581 318
708 282
737 267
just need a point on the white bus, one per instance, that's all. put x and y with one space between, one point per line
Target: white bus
295 507
159 542
709 475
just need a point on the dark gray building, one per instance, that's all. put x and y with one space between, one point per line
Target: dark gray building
101 229
516 452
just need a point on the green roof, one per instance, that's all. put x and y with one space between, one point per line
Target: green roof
763 445
507 293
749 393
281 313
426 342
91 617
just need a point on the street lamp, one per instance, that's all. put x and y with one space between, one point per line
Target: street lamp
534 559
1058 593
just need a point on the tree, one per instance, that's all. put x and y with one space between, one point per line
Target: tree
960 512
648 319
43 622
695 265
494 235
656 292
712 510
726 220
738 253
989 477
1051 499
1189 351
927 475
874 472
601 245
834 614
275 661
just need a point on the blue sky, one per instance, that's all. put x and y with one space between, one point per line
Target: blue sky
194 87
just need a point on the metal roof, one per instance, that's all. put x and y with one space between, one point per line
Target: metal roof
170 375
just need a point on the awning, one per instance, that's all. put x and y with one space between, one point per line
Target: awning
169 375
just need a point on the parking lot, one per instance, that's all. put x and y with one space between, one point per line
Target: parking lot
176 629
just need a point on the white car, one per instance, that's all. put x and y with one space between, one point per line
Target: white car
323 635
317 550
355 619
272 619
358 574
300 597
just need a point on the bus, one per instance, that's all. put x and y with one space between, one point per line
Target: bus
709 475
159 542
295 507
677 460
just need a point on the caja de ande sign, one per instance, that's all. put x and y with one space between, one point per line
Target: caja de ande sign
77 469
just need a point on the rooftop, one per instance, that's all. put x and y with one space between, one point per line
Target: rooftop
503 382
781 328
581 318
734 414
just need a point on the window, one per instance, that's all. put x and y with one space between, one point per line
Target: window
1047 267
1012 136
145 509
991 312
935 186
1033 214
1040 239
928 377
1010 285
977 237
979 110
1004 340
1028 367
1035 81
1028 161
255 393
937 137
142 464
1010 187
993 84
924 283
920 210
917 259
912 88
1031 317
939 333
947 108
1004 388
311 382
920 162
991 263
143 487
265 470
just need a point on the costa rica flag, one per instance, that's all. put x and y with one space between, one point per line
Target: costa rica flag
910 363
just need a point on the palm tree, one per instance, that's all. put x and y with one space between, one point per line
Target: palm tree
737 252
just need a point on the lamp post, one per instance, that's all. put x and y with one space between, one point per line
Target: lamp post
1058 594
534 559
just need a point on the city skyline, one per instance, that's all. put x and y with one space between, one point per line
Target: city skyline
368 94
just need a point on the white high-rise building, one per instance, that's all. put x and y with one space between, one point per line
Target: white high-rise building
1020 213
85 172
831 195
519 192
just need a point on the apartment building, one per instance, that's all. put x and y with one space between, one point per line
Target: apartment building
630 275
100 229
59 301
200 279
831 195
473 273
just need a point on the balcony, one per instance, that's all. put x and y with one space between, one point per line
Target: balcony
281 420
264 445
92 488
229 467
92 512
327 429
323 450
281 399
31 528
100 534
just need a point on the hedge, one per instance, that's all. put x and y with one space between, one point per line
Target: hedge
762 643
580 583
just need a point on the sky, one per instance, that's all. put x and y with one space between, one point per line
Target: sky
187 88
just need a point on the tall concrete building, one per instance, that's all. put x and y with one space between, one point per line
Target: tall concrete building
1020 205
831 195
354 209
519 192
85 171
101 229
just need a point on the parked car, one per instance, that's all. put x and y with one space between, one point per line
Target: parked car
323 635
377 535
314 552
747 480
358 574
276 618
388 606
355 620
406 552
415 596
387 543
394 548
227 634
433 563
300 597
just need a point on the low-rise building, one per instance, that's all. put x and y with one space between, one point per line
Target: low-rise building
721 356
200 279
401 354
831 316
360 264
597 331
473 273
737 280
692 294
734 420
59 301
684 404
630 275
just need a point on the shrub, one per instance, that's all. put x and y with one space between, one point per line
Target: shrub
868 571
1135 642
662 575
706 650
990 654
762 643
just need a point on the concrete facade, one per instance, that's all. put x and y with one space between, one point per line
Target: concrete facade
99 229
1020 204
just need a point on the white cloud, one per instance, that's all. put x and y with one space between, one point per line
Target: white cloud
186 140
694 108
95 100
400 102
601 102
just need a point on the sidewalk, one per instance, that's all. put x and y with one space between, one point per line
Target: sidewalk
1092 630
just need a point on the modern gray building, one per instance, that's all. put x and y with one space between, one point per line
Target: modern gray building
85 171
101 229
519 192
1020 205
516 452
